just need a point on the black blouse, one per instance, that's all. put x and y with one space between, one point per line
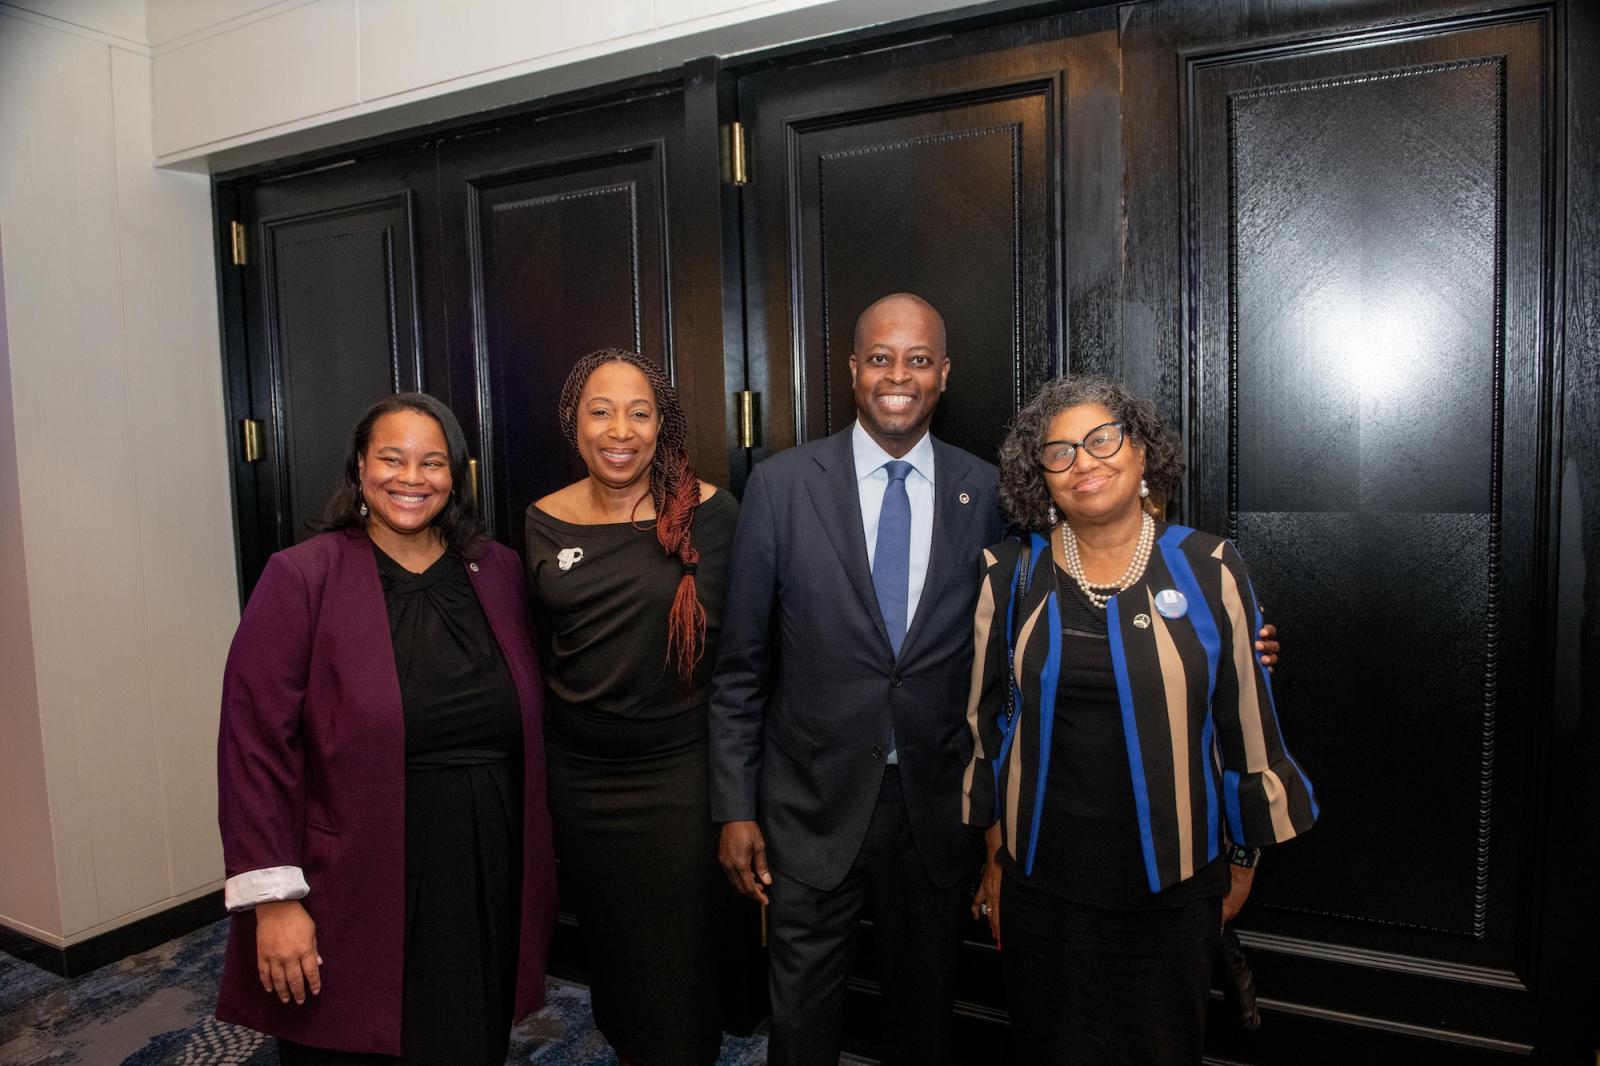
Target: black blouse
461 705
602 616
1089 836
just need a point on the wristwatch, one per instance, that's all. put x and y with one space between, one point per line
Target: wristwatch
1243 857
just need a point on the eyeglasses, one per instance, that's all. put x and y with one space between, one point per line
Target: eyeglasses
1102 442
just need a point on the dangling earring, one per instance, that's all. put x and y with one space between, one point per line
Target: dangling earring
363 508
1053 516
1144 488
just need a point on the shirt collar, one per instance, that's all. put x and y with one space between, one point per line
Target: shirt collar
870 457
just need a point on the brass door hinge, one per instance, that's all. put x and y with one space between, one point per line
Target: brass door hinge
250 436
734 150
749 406
236 238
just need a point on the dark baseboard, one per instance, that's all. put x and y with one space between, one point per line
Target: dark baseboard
119 943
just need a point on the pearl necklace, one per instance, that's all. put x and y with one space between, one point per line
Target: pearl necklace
1141 557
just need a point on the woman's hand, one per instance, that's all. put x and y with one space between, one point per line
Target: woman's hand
286 950
1238 891
986 901
1267 646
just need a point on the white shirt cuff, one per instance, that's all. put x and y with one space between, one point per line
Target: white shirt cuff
275 883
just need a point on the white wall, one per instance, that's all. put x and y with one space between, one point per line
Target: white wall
123 570
241 81
28 895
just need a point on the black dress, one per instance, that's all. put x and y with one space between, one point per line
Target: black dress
463 824
1097 968
629 765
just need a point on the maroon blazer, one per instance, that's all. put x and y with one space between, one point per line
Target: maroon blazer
311 773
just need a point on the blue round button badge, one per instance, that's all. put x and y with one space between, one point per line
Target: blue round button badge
1171 603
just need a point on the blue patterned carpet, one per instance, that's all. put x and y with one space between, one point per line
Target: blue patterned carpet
155 1009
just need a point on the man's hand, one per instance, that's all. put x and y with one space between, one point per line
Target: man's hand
743 854
286 951
1238 891
1267 646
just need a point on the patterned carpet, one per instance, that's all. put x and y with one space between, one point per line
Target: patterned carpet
155 1009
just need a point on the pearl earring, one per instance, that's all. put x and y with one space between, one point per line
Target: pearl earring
1144 488
1053 517
363 509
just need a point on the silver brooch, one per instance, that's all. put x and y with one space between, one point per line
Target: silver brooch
1141 621
567 558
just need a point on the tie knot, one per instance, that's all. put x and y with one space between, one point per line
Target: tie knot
897 469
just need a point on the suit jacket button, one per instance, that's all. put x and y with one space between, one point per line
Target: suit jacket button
877 753
894 682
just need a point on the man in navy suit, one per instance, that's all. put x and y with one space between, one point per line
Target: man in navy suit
838 720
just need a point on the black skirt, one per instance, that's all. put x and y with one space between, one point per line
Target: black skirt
1089 984
637 850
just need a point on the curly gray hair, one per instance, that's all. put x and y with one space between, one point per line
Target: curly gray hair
1024 498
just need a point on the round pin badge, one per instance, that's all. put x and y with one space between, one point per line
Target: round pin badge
1171 603
1141 621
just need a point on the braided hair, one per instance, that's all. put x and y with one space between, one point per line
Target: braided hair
674 489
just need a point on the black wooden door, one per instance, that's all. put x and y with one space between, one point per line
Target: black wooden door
1366 387
938 169
557 246
556 242
331 318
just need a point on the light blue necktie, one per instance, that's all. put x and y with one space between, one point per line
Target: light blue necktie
891 561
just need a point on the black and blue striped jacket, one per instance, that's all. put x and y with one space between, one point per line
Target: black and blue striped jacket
1207 758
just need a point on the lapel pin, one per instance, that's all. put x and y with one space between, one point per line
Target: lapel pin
473 567
1141 621
1172 603
567 558
964 498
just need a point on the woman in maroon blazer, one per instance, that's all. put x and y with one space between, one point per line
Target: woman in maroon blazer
381 772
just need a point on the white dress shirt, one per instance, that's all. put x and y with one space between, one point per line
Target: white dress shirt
872 479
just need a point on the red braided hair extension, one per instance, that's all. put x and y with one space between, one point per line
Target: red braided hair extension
674 489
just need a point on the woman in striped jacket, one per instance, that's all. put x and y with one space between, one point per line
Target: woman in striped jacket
1127 756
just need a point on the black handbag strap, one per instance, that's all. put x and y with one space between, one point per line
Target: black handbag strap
1019 601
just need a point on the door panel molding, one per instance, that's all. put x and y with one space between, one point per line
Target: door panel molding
1012 131
602 217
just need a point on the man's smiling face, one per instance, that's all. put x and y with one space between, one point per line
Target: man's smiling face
898 369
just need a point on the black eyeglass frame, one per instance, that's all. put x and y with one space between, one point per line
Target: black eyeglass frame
1122 438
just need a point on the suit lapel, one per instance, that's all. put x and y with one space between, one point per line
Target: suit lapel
837 499
952 477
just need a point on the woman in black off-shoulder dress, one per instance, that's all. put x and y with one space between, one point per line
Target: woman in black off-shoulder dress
628 575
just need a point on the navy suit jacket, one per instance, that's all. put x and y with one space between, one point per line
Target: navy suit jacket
807 686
